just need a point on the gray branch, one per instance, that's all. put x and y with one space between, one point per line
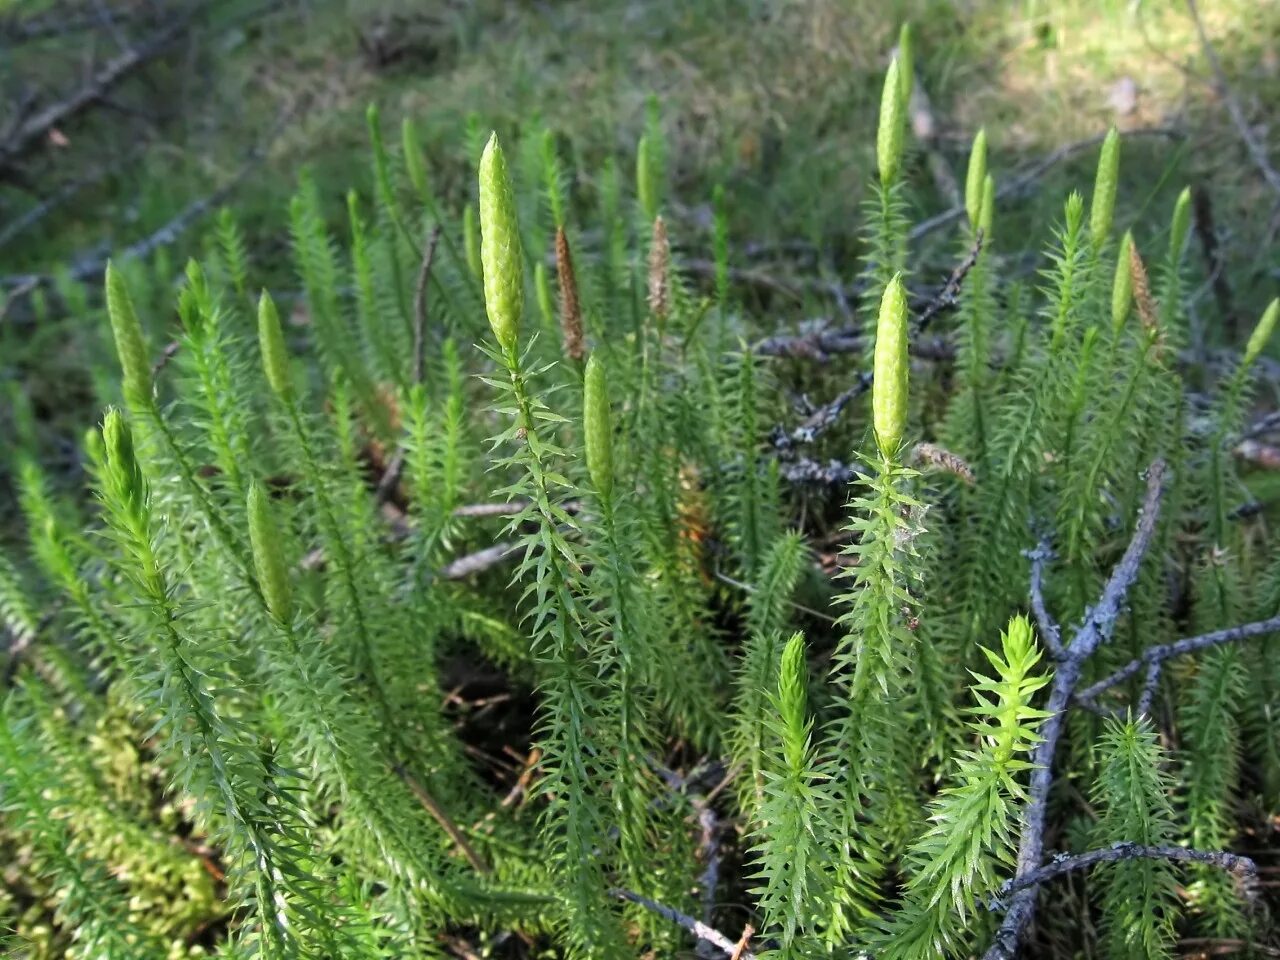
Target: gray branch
478 562
27 134
1244 869
1096 628
1154 657
1049 628
391 478
1257 152
696 927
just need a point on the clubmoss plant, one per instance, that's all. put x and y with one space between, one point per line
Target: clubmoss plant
296 668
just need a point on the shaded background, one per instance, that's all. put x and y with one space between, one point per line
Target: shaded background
126 124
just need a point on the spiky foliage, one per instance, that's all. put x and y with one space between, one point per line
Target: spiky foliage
792 835
868 753
758 668
575 824
241 802
271 690
970 837
1139 897
91 903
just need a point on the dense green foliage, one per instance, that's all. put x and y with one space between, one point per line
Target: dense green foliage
234 726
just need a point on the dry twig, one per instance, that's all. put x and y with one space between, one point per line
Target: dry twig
696 927
1244 869
1095 630
28 133
1257 151
1153 658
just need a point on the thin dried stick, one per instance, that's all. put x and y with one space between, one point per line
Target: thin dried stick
29 133
696 927
1153 658
1244 869
1049 628
442 818
1095 630
1257 152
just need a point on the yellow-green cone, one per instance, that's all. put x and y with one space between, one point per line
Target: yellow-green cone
1181 225
889 387
646 189
275 358
1262 333
976 178
793 683
597 427
1103 210
1122 286
890 132
131 345
414 164
268 556
500 255
907 63
123 472
987 217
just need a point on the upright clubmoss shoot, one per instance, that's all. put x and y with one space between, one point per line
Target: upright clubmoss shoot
501 256
275 356
889 390
268 555
892 128
1105 184
975 178
131 344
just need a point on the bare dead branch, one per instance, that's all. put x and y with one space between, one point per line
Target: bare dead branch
391 477
1095 630
1244 869
1049 629
438 814
1214 259
833 473
749 589
509 509
1154 657
91 266
35 214
33 130
478 562
1257 151
709 845
1262 426
696 927
946 298
817 345
1101 619
820 345
58 22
